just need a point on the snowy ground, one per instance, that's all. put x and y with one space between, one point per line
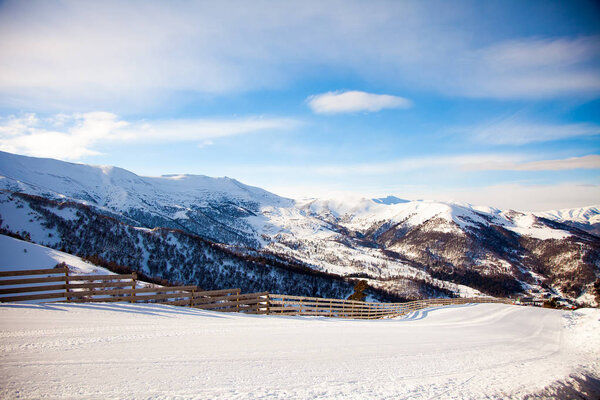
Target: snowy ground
147 351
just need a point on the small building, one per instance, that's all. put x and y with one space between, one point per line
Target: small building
530 301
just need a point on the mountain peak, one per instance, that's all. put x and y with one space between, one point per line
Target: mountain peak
389 200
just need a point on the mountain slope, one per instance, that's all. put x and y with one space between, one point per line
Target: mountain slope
409 248
211 207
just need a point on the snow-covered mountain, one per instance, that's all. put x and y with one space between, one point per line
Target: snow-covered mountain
407 248
214 208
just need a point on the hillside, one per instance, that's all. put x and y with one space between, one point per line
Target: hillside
218 232
21 255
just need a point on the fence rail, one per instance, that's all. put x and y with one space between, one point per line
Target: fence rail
119 288
314 306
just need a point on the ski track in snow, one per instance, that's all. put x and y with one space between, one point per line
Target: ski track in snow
105 351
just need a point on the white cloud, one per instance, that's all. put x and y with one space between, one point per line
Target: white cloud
68 54
353 101
77 135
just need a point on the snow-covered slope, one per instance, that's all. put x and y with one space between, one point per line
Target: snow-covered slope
410 248
20 255
585 215
135 351
211 207
584 218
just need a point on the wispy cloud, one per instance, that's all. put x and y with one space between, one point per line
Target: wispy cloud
465 162
515 131
353 101
585 162
73 136
69 53
534 67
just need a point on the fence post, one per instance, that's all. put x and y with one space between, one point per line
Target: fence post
268 303
133 279
192 298
67 285
237 301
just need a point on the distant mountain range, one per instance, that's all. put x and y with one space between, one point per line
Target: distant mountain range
218 232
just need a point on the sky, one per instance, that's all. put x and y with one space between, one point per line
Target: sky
486 102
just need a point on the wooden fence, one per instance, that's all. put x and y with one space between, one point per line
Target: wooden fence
299 305
57 285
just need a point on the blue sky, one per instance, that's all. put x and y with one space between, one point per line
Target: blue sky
494 102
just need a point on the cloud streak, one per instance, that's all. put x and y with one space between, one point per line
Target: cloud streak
513 131
466 162
73 136
585 162
354 101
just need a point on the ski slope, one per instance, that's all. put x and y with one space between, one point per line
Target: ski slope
113 351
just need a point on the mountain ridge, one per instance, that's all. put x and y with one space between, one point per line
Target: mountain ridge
450 246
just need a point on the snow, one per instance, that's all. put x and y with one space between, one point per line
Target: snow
181 214
527 225
119 189
586 215
20 255
110 351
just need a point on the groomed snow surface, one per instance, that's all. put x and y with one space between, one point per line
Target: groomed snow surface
484 351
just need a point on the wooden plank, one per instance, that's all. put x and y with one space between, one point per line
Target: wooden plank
212 293
232 303
34 272
245 310
314 305
27 289
100 300
187 291
258 312
332 309
232 297
140 298
94 285
185 302
327 300
252 295
252 301
42 296
120 298
163 296
321 304
226 304
6 282
277 309
75 278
